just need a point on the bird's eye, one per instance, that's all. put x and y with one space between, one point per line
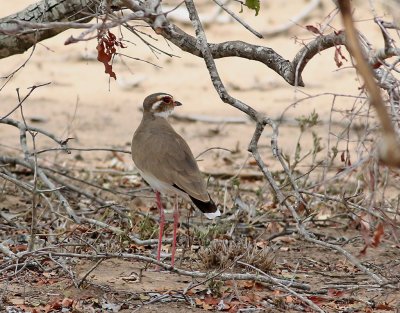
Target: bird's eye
167 100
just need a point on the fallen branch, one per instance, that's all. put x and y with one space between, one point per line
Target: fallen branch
168 267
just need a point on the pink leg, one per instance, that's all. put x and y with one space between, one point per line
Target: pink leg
162 217
176 217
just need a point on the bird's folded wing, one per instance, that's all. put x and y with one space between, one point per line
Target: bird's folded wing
172 162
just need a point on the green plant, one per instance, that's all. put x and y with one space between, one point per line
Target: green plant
147 228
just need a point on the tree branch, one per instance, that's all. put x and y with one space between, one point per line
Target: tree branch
44 11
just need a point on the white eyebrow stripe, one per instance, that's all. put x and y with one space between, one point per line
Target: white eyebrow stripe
164 95
156 104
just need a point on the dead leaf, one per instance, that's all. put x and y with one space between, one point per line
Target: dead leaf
67 302
377 235
334 293
313 29
246 284
198 301
384 306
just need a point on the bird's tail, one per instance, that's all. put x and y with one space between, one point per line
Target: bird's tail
209 208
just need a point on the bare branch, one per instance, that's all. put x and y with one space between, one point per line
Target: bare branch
389 149
43 11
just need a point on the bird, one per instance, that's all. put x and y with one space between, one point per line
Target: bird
166 163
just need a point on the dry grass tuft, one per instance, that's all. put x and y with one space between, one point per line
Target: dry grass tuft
221 253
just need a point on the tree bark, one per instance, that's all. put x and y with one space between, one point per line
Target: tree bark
15 40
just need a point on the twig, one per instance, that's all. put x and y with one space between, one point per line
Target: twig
66 269
17 182
23 100
89 271
212 148
293 21
168 267
45 179
294 293
83 150
7 251
237 18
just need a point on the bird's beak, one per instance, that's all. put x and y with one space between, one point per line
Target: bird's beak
177 103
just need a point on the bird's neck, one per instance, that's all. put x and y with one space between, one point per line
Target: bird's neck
149 119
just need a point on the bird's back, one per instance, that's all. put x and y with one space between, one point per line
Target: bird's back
158 150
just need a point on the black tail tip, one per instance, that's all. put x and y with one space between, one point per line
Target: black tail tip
209 208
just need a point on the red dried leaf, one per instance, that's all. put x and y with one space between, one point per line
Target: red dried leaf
317 299
106 49
19 248
313 29
384 306
334 293
211 300
55 305
336 58
338 53
376 65
39 283
377 235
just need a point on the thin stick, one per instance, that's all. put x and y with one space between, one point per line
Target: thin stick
304 299
237 18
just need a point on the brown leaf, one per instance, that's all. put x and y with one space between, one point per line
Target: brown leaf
336 58
334 293
377 235
207 306
66 302
246 284
198 301
384 306
19 248
338 53
317 299
106 49
313 29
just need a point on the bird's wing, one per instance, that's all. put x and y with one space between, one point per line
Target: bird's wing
167 157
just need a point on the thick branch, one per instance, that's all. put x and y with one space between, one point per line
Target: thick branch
235 48
42 12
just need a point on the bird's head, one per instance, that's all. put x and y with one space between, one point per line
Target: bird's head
160 104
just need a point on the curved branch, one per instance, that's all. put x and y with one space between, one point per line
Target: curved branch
235 48
314 47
